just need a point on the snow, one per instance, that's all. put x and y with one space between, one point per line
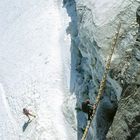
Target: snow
105 11
101 19
34 71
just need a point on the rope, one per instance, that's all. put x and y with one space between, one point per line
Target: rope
103 82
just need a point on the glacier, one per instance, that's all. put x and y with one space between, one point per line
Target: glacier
35 69
52 58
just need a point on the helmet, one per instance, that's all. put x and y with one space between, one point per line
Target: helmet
87 101
24 110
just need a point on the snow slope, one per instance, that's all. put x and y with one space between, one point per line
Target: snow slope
32 72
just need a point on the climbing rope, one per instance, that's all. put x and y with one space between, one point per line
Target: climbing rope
103 82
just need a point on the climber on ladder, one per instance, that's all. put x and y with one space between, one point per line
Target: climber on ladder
87 107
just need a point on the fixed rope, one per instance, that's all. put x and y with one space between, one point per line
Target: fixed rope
103 82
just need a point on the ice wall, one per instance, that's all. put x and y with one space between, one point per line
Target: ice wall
95 25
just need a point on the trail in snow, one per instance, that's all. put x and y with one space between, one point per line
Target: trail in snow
32 74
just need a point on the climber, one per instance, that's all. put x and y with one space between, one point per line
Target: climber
27 113
138 15
87 107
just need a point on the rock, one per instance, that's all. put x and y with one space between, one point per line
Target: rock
126 124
